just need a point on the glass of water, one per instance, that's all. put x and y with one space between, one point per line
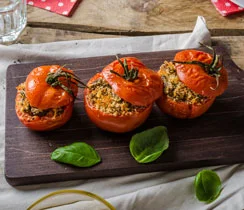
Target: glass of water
12 19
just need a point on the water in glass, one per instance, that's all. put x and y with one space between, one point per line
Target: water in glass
12 19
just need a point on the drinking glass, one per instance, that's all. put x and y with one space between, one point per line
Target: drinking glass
12 19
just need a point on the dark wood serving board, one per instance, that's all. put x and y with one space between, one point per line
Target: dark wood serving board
215 138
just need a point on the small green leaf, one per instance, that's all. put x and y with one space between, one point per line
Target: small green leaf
78 154
207 186
148 145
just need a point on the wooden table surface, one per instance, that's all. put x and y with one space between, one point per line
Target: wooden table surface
116 18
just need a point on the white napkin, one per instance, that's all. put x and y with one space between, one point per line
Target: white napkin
156 191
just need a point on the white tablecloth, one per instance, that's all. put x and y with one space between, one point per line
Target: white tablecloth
156 191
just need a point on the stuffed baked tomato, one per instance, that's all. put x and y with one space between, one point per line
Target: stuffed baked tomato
120 98
45 100
191 83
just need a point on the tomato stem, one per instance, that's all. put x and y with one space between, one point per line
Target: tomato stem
53 80
129 75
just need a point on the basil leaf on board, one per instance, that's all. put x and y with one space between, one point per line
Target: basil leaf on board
78 154
148 145
207 186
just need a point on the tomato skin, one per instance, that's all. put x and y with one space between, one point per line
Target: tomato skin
117 124
43 96
43 123
194 76
109 122
142 91
182 110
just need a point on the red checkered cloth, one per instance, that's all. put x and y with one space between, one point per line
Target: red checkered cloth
62 7
226 7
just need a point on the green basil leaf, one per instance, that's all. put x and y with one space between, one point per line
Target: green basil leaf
78 154
148 145
207 186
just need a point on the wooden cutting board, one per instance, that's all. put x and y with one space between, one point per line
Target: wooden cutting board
215 138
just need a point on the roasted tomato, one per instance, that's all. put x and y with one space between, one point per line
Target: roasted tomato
120 98
45 100
191 83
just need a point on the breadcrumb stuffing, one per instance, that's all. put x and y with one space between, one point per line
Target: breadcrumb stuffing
174 88
102 97
33 111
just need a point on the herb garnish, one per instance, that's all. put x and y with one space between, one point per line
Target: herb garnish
129 75
207 186
53 80
148 145
78 154
212 69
